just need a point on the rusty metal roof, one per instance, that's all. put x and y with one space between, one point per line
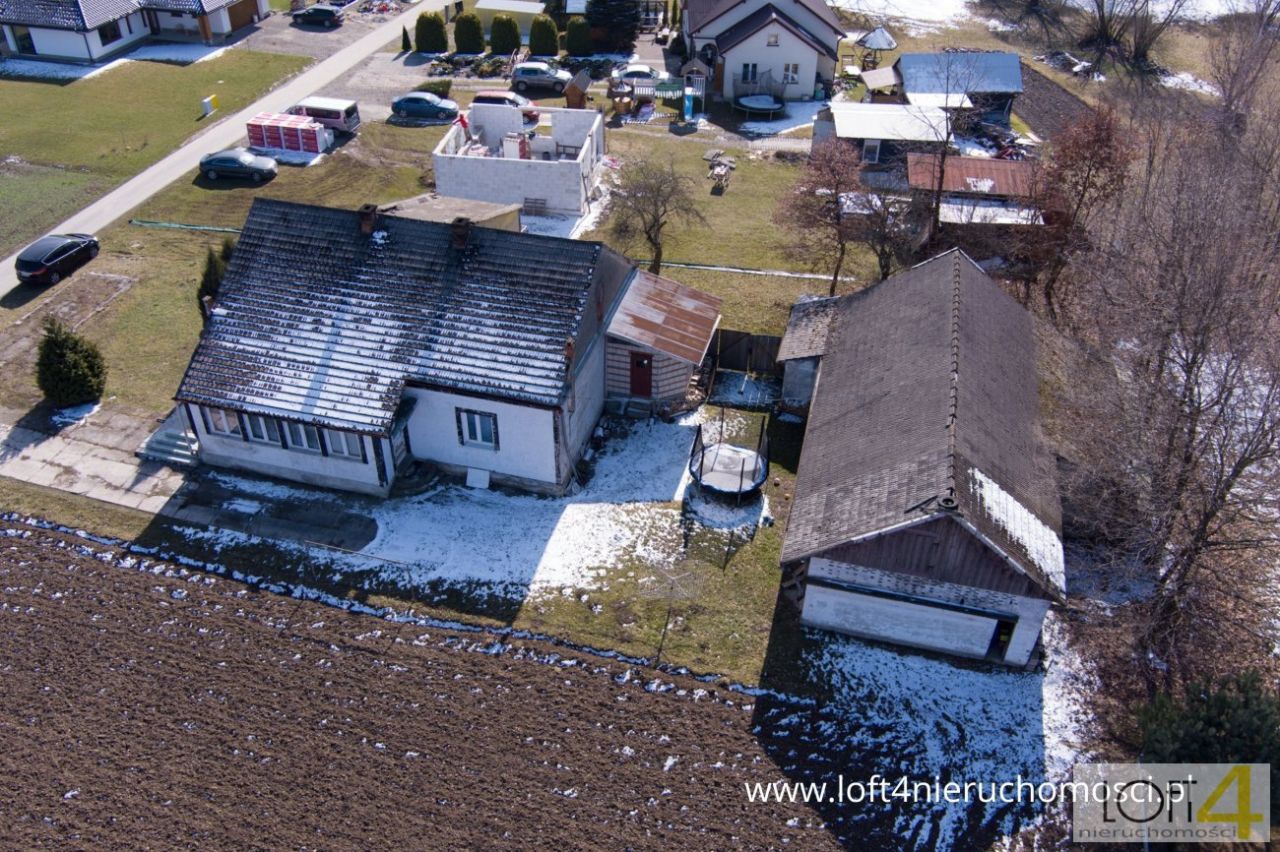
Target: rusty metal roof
973 175
928 391
806 334
671 318
321 322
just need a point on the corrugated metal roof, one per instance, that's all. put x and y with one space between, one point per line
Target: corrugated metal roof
960 72
320 322
673 319
895 122
79 15
973 175
806 334
928 389
986 211
881 78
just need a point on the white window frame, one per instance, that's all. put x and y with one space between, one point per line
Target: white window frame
221 421
263 430
869 146
755 72
791 76
473 431
772 40
299 433
343 444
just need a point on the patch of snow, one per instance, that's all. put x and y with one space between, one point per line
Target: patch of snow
719 513
798 114
745 390
76 414
919 16
970 146
243 506
1190 83
1042 544
34 69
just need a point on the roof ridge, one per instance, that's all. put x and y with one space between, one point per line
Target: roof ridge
954 401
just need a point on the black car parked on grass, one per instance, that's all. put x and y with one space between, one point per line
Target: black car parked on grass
321 14
237 163
50 259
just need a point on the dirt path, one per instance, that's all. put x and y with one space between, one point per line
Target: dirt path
148 706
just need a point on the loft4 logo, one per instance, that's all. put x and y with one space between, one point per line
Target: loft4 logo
1171 802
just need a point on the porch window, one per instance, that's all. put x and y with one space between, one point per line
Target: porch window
748 72
109 32
871 151
23 42
219 421
791 72
344 444
262 429
477 429
303 436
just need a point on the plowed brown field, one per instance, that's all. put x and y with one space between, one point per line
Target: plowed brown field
145 706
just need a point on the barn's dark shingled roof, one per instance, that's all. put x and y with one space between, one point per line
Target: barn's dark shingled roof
806 334
79 15
319 322
928 389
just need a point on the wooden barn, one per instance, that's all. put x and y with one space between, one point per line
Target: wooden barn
658 336
925 510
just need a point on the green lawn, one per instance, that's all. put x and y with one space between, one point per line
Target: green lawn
103 130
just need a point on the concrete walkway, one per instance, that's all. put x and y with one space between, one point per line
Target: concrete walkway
226 133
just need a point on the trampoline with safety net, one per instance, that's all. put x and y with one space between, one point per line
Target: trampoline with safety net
729 469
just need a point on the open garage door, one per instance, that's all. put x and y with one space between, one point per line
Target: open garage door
242 13
902 622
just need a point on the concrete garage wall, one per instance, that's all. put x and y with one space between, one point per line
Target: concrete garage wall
1028 612
526 437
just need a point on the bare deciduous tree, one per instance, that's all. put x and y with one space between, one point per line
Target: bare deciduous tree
1128 30
1182 456
652 194
1243 58
828 209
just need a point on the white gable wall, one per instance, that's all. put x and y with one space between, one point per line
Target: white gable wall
526 436
793 10
789 49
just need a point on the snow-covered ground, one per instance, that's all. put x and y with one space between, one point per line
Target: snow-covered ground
1190 83
799 114
745 390
514 544
897 713
184 54
921 16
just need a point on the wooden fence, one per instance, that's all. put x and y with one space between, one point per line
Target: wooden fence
746 353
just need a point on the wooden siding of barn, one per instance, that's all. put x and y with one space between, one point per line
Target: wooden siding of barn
670 375
942 550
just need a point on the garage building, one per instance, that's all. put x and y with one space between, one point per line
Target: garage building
925 511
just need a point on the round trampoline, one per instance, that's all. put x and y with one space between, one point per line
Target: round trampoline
727 469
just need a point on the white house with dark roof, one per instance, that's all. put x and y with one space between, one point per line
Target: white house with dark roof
746 42
95 30
925 510
345 343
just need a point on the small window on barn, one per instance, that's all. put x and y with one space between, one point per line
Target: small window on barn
219 421
477 429
303 437
264 430
871 151
108 33
344 444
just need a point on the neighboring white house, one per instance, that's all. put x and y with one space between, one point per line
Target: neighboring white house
94 30
523 11
925 510
345 343
495 157
753 46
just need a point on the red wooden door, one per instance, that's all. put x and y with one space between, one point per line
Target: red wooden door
641 374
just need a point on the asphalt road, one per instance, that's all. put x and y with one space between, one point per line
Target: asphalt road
224 134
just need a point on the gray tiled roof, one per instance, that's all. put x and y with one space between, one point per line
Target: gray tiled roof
80 15
960 72
703 12
806 334
319 322
928 389
197 6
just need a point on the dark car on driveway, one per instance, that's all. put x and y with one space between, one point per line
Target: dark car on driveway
321 15
237 163
424 105
50 259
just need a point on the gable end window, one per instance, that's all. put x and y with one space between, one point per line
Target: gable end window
109 32
773 40
477 429
220 421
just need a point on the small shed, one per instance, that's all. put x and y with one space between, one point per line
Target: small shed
657 337
575 94
802 346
